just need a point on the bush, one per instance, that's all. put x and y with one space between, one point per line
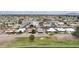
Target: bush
31 26
51 33
31 38
33 31
20 21
76 33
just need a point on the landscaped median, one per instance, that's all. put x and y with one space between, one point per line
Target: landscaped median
24 42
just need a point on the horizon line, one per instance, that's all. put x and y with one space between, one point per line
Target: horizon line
72 13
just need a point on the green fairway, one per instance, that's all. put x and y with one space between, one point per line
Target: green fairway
43 42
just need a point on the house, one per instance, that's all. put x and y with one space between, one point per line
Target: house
1 25
47 24
20 30
60 23
29 30
51 30
70 30
60 29
10 31
35 23
40 30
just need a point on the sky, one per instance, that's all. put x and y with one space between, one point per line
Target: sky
38 12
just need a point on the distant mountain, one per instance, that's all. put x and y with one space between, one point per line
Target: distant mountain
34 12
72 14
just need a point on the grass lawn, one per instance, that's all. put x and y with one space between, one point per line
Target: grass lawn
44 42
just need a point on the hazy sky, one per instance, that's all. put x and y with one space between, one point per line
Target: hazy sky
37 12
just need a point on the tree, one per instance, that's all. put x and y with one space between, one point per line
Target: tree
76 33
31 38
33 31
20 21
31 26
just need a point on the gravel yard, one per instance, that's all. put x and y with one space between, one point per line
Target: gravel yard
5 39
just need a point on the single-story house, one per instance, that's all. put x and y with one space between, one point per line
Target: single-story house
60 29
47 24
40 30
35 23
10 31
20 30
70 30
58 22
51 30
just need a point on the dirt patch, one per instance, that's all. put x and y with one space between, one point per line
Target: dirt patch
4 39
63 36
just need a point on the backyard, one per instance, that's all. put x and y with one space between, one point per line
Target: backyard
23 42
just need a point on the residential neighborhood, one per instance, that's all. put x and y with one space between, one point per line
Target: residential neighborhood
40 23
57 27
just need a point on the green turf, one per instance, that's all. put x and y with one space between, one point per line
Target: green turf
45 42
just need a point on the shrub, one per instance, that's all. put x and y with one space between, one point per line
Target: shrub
31 38
76 33
51 33
20 21
33 31
31 26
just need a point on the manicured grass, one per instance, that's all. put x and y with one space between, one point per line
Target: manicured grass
44 42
